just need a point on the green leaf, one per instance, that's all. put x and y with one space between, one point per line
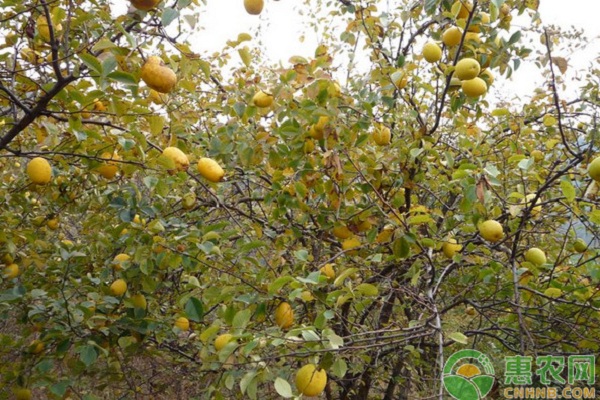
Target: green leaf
194 309
245 56
342 277
339 368
169 15
367 289
241 319
88 355
568 190
283 388
459 337
279 283
91 62
514 38
122 77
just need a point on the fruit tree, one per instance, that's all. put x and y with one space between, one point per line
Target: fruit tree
178 223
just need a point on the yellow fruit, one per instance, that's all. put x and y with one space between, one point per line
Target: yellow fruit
139 301
210 169
311 381
342 232
580 245
470 311
537 155
350 243
491 230
284 315
462 8
594 169
400 78
11 271
178 157
182 323
382 135
472 37
99 106
144 5
318 129
222 340
467 68
118 287
119 260
157 75
52 223
328 271
36 346
254 7
262 99
39 171
474 87
44 28
488 77
432 52
450 248
451 36
535 256
22 394
188 201
109 169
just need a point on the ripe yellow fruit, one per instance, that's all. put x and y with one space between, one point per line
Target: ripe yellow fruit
36 346
328 271
262 99
222 340
432 52
451 247
474 87
311 381
182 323
53 223
382 135
491 230
472 37
462 8
580 245
139 301
157 75
284 315
119 260
488 77
470 311
22 394
535 256
350 243
11 271
594 169
109 169
451 36
210 169
254 7
467 68
118 287
39 171
145 5
178 157
44 29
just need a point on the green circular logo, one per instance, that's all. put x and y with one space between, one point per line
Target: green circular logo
468 375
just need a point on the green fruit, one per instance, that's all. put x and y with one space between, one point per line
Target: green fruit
580 245
594 169
491 231
535 256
